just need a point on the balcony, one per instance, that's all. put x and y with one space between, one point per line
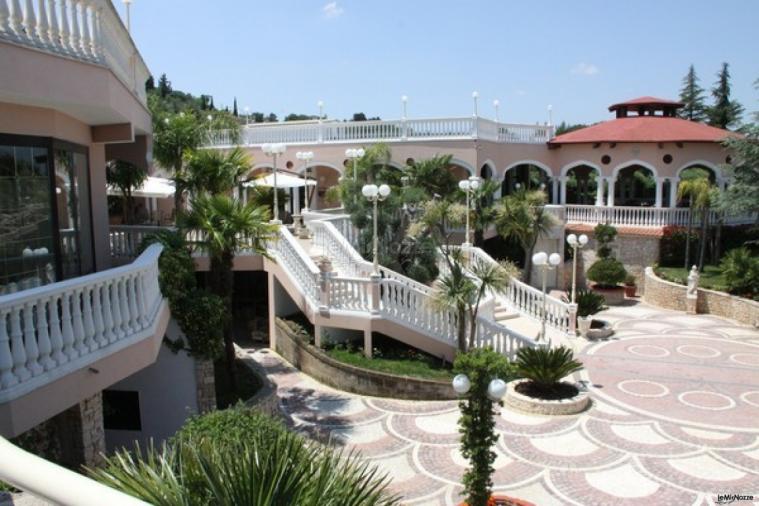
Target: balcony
631 216
402 130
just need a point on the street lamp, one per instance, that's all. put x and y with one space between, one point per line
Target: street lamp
306 156
247 115
404 101
550 115
475 96
320 104
375 194
469 187
496 388
274 150
545 263
496 104
128 4
577 243
354 154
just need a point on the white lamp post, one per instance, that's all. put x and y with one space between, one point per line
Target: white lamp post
128 4
247 115
320 104
545 263
496 104
354 154
306 156
375 194
274 150
468 186
576 243
404 101
496 388
550 115
475 96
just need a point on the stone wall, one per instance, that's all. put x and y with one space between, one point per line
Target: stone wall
668 295
265 400
320 366
205 384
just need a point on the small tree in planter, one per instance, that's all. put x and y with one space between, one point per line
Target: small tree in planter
607 272
480 380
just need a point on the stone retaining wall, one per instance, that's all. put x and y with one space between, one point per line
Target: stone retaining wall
322 367
265 400
670 295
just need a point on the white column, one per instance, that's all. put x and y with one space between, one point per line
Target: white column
659 191
30 20
610 196
555 189
42 24
600 183
673 184
563 198
296 200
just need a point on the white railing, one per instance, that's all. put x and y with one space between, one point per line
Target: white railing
85 30
338 248
56 484
291 256
125 240
648 216
406 304
528 300
335 132
500 338
352 294
49 331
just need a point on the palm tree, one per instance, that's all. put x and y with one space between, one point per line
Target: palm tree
494 278
215 172
455 290
484 211
699 192
225 226
174 138
126 177
522 216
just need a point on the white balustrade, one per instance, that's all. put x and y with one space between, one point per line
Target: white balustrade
353 294
291 256
500 338
86 30
45 328
648 216
125 240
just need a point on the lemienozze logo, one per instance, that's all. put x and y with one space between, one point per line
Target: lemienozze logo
731 498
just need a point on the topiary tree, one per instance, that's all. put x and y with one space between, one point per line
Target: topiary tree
607 271
476 423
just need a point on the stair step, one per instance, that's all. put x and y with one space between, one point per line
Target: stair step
504 315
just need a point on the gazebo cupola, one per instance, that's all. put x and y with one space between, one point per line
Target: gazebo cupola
647 106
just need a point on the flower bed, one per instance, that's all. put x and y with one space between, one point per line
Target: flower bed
562 406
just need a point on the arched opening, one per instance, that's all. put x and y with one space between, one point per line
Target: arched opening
582 185
459 171
526 176
486 172
325 177
635 185
694 171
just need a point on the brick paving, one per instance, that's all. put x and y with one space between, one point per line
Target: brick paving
674 420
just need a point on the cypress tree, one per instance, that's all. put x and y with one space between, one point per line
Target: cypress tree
234 108
692 96
725 112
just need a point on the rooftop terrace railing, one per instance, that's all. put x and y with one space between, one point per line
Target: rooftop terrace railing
649 216
336 132
84 30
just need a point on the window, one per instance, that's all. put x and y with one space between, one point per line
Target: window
121 410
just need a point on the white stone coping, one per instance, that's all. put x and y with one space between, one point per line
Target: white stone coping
527 404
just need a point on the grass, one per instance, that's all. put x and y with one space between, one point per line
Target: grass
393 357
248 383
711 278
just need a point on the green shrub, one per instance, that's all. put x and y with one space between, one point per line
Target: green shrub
741 271
672 246
202 316
546 366
630 280
230 426
604 235
607 272
588 302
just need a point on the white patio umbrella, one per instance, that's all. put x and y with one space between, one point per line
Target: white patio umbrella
284 181
153 187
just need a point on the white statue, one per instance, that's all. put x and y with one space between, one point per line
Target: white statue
693 277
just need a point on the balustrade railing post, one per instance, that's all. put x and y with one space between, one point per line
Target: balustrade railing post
7 378
376 291
572 314
17 346
43 337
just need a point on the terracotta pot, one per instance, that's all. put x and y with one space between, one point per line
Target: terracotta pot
630 291
503 500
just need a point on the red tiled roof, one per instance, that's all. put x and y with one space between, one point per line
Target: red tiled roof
646 101
645 129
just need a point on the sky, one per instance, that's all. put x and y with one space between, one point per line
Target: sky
579 56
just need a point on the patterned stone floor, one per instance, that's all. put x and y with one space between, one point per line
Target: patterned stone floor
675 420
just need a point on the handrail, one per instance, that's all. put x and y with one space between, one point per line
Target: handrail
296 261
54 483
49 331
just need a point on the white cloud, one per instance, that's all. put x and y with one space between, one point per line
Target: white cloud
332 10
585 69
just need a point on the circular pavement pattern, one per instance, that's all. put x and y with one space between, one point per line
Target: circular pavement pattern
671 422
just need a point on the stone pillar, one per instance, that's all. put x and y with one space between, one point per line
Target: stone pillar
205 385
601 181
563 193
659 191
368 343
573 319
555 190
318 336
82 434
673 183
610 195
375 280
272 312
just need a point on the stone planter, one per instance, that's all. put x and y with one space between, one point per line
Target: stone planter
612 296
599 329
504 500
535 406
630 291
583 324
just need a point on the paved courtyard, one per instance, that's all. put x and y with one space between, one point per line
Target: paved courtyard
675 420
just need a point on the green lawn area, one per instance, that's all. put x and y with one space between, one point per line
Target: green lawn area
394 358
711 277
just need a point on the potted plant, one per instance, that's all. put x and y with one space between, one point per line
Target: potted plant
588 304
607 272
630 286
481 387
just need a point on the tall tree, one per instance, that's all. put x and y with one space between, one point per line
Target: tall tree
150 84
724 113
126 177
174 139
164 86
742 194
234 108
212 171
699 190
692 97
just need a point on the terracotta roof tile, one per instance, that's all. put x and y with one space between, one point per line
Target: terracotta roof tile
645 129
